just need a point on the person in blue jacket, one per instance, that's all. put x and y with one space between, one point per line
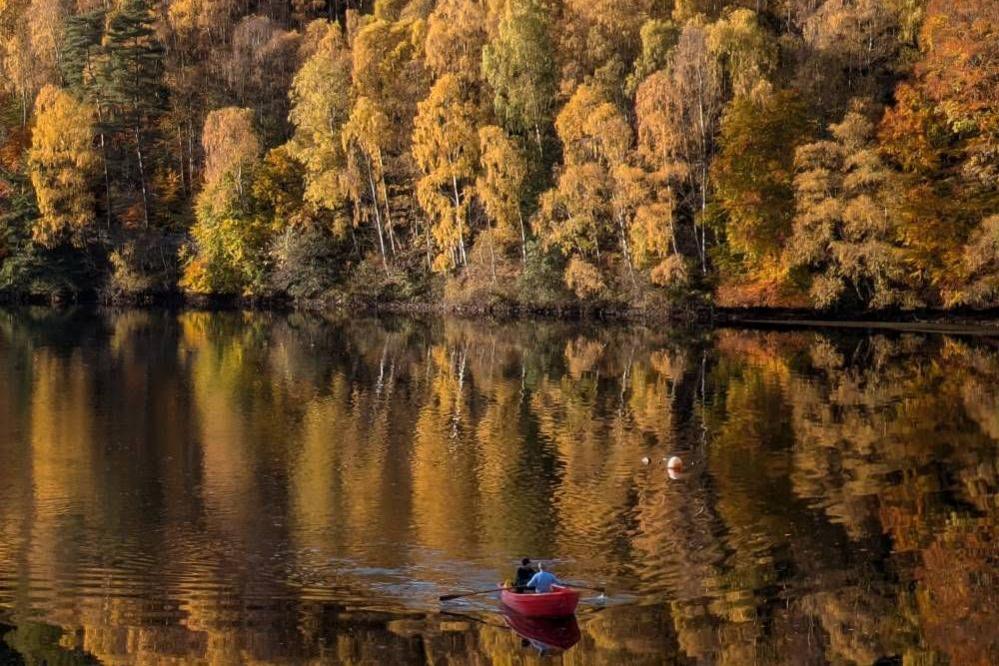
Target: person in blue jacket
542 581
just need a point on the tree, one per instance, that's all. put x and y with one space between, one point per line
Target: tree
446 147
678 111
363 140
521 69
844 232
659 37
320 105
258 70
941 134
593 129
29 51
848 49
599 40
578 216
231 242
745 50
388 70
131 76
45 19
981 265
62 163
646 225
754 172
456 33
500 187
230 145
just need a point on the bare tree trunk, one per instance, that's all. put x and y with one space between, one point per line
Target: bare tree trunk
383 188
457 218
492 254
142 179
672 225
180 162
625 249
190 150
378 216
426 231
107 180
704 230
104 162
523 236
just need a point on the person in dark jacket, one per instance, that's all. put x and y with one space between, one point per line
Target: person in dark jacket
525 572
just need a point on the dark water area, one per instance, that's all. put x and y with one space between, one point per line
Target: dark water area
227 488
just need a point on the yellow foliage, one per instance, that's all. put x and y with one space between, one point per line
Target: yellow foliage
583 278
456 33
500 184
320 97
62 161
592 128
230 143
445 147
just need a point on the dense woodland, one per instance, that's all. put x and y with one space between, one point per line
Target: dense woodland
838 154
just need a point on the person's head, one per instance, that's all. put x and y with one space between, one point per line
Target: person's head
541 566
525 561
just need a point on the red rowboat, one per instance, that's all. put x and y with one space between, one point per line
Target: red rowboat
560 602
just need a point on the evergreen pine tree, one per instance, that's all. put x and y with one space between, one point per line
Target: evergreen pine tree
132 77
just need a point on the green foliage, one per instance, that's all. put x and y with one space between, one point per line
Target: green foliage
753 174
521 69
230 254
659 36
307 262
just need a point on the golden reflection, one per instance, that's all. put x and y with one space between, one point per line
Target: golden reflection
228 488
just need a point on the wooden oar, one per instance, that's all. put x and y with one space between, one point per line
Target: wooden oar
583 587
449 597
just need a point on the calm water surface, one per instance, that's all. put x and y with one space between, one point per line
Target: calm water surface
254 488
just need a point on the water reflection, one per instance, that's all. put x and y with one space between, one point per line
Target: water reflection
235 487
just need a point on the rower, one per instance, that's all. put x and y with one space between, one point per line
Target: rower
524 573
542 581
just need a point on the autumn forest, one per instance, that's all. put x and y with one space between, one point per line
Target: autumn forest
649 154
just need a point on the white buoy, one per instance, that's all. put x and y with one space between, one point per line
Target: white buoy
674 467
646 460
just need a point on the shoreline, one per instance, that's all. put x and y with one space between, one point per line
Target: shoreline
686 315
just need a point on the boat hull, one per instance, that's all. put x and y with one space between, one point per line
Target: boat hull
560 602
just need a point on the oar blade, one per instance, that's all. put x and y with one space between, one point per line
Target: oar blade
449 597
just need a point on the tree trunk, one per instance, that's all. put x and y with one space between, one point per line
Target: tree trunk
704 230
523 236
104 164
383 188
378 216
492 254
142 179
458 220
627 252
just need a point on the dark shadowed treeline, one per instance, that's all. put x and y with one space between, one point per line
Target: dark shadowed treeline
244 487
814 153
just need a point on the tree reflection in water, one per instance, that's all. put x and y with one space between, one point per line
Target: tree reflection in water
248 487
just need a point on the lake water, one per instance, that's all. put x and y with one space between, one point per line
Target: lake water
232 488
